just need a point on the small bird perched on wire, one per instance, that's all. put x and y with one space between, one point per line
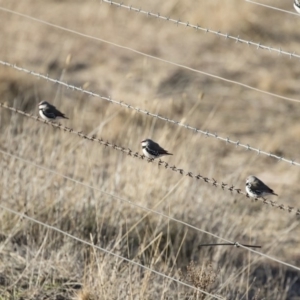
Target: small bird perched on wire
256 188
153 150
297 6
49 112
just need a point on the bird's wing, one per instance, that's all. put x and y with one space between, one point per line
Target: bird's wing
152 151
263 187
58 113
162 151
157 150
49 113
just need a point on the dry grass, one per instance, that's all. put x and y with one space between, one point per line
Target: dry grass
36 263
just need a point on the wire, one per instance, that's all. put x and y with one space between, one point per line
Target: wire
197 27
107 251
154 57
272 7
228 244
150 210
159 162
113 195
147 113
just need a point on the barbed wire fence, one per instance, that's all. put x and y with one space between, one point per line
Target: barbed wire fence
206 30
165 165
228 242
53 228
151 56
206 133
147 209
211 181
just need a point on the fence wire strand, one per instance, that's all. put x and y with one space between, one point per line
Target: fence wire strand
151 56
206 30
108 252
159 162
236 244
129 152
147 209
274 8
206 133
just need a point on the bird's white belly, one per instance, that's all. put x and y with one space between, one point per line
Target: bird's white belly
43 116
250 193
147 154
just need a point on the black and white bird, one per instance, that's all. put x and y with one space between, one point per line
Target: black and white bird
153 150
256 188
49 112
297 6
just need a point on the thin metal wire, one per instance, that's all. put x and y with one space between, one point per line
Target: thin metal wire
188 127
107 251
159 162
236 244
14 156
147 113
206 30
150 56
228 244
273 7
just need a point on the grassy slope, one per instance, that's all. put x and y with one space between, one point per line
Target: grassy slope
37 262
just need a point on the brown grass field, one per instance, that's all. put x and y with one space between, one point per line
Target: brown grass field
39 263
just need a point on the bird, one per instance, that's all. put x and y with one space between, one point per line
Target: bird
297 6
49 112
256 188
152 150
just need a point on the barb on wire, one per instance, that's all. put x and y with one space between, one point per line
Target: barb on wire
25 216
246 247
147 113
151 56
159 162
236 244
197 27
147 209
